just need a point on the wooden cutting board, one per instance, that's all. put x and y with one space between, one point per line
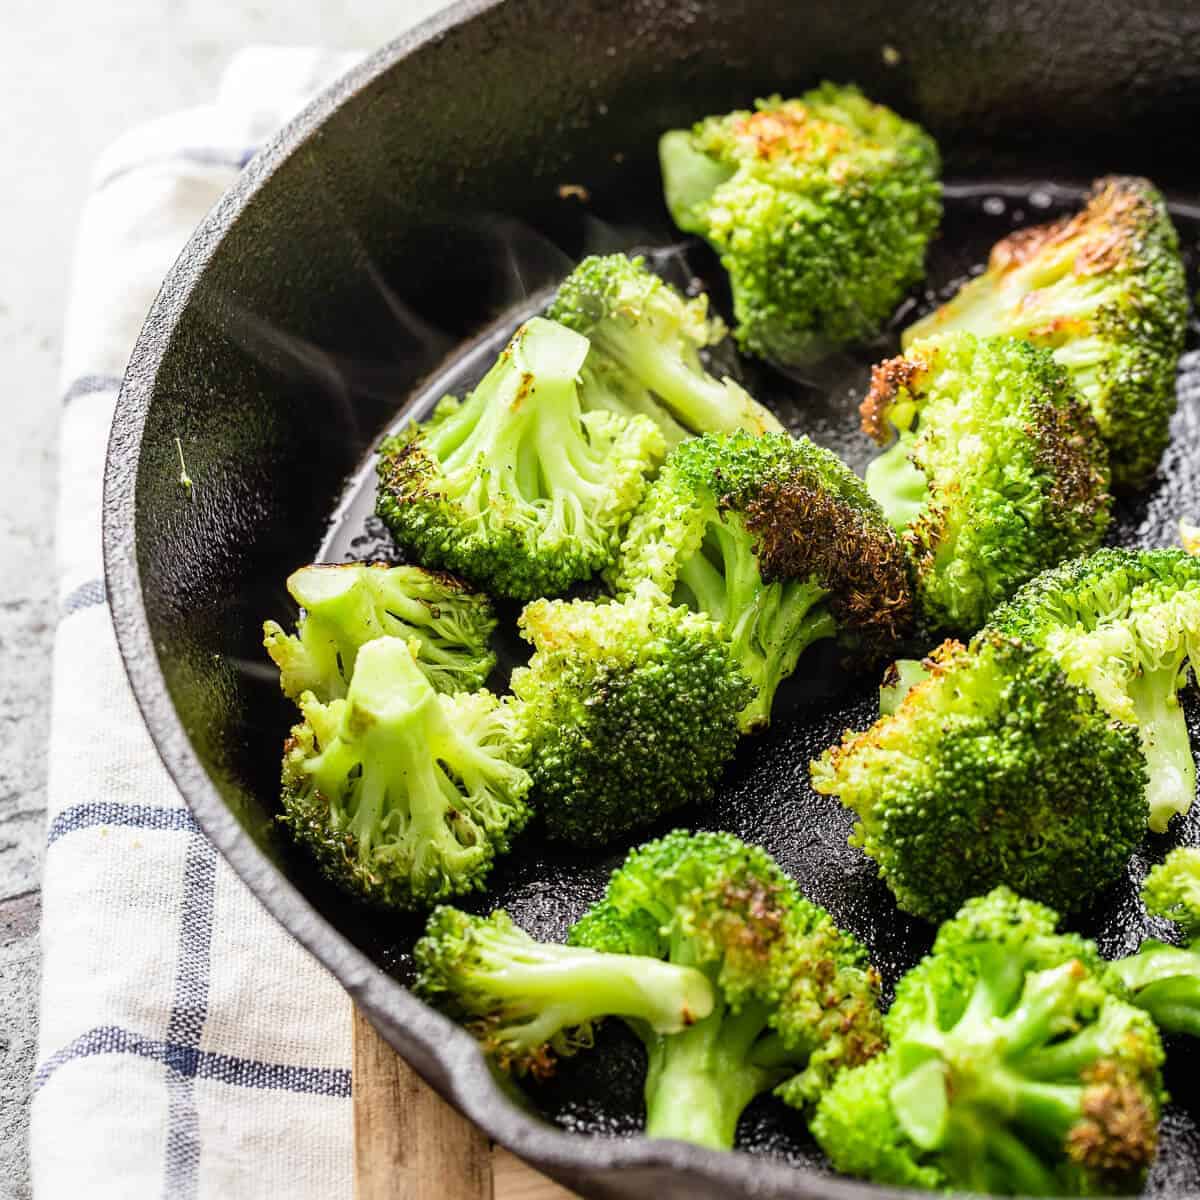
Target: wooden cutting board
409 1144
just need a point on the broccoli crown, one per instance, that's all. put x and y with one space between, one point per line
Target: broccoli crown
776 540
1104 291
403 795
997 473
631 710
795 997
994 769
528 1002
346 606
1014 1068
513 487
646 340
820 208
1126 624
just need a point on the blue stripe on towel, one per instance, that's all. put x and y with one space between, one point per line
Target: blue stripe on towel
89 385
186 1022
86 595
224 1068
105 812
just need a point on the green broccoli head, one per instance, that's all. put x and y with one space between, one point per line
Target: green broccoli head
776 540
1105 292
404 796
645 350
345 606
1172 889
994 769
1125 624
529 1003
794 997
631 710
514 488
820 209
1014 1068
1161 978
996 475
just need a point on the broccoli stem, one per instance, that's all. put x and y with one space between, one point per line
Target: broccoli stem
896 485
691 394
580 986
699 1082
768 625
1165 743
1165 981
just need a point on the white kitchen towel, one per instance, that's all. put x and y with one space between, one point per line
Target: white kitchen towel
188 1047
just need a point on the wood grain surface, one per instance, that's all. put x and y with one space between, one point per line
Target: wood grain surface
409 1144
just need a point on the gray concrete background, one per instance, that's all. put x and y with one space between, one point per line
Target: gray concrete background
73 75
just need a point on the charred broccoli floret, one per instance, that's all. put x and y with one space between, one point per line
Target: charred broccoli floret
820 209
1105 292
1015 1068
997 472
1126 624
1161 978
514 488
645 351
529 1003
345 606
995 769
404 796
794 997
631 710
776 540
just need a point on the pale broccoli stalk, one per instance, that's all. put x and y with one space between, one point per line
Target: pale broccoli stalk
529 1003
403 795
645 347
347 605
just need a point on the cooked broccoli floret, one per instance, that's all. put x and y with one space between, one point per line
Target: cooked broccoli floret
1161 978
794 996
346 606
820 209
631 710
513 487
1125 624
404 796
529 1003
1103 290
645 356
1172 889
1015 1068
996 475
776 540
995 769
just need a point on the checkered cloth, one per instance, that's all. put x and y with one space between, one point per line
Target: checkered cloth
189 1047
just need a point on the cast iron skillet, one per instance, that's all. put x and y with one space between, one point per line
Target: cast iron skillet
373 253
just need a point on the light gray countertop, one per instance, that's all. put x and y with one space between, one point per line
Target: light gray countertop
74 74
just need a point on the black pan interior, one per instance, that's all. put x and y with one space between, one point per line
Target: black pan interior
380 261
